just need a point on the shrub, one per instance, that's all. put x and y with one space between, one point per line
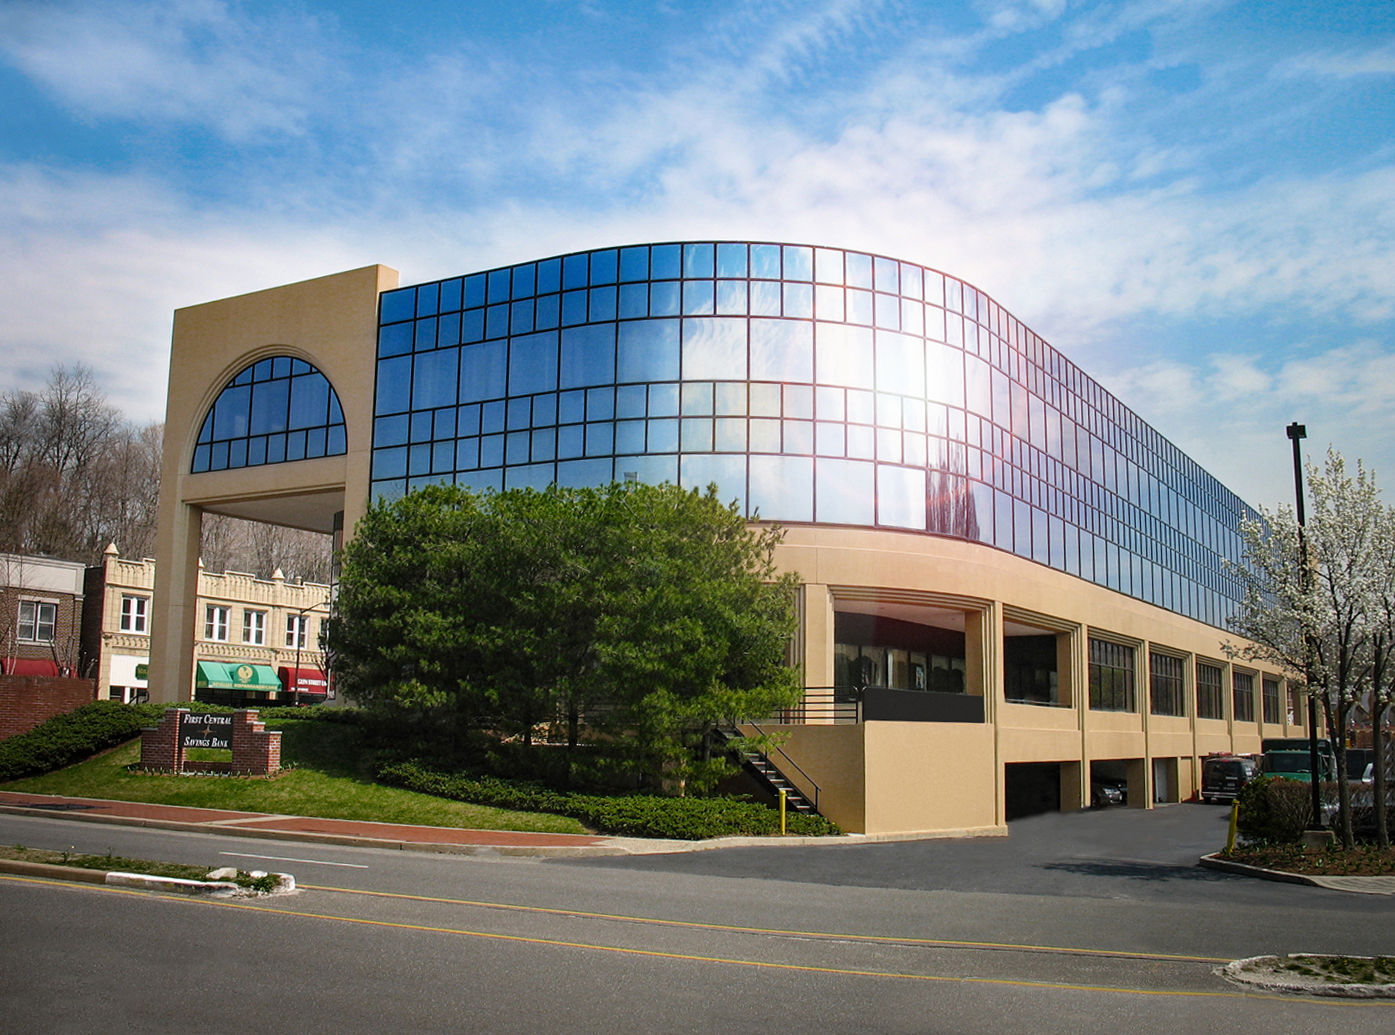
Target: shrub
65 739
1274 809
634 815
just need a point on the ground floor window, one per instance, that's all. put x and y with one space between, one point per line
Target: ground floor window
1210 700
1029 669
1243 689
1111 677
1271 701
1165 684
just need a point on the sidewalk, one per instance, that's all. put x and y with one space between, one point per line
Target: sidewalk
368 834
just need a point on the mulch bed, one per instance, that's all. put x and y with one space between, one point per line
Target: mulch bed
1361 861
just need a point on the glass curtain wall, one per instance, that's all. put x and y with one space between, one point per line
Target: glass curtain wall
812 385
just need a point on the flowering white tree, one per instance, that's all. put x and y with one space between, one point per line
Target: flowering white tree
1382 673
1311 603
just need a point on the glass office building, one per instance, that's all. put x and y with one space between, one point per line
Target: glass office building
813 385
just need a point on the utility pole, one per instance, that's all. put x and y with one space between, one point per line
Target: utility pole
1297 433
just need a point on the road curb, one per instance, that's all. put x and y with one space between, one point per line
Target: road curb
1352 885
143 881
1255 972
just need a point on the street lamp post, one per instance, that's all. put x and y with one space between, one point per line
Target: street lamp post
1297 433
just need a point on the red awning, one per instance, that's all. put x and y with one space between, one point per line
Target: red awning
304 680
31 667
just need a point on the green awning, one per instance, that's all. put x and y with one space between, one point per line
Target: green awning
232 675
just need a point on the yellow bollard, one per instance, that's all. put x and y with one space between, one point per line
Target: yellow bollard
1234 820
783 793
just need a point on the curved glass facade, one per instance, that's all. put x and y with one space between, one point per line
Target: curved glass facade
276 410
812 385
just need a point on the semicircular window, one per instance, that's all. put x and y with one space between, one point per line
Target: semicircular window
276 410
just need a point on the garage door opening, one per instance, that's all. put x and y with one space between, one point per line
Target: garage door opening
1031 788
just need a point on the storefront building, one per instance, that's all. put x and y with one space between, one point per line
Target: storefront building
972 516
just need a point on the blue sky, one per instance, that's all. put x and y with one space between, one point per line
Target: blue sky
1193 199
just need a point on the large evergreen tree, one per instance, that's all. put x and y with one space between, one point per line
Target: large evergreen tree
634 616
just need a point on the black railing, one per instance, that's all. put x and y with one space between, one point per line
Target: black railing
849 705
788 763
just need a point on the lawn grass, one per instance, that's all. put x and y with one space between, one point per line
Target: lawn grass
330 778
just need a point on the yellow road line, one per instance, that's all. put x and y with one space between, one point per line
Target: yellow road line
687 957
939 943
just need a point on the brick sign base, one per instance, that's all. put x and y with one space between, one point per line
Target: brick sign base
255 751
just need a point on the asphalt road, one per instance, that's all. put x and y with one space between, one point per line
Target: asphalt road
1073 924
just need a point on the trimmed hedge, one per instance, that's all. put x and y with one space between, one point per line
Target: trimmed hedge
635 815
67 739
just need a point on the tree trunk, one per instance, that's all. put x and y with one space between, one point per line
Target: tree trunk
1378 790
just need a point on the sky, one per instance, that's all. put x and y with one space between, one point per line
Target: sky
1194 200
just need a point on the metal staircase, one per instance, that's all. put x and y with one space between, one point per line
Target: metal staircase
769 773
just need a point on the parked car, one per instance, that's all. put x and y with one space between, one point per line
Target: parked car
1109 792
1223 775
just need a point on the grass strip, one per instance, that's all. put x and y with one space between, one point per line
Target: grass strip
126 864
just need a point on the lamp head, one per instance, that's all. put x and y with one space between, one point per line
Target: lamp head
1297 431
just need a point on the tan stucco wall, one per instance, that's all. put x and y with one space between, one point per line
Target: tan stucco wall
834 758
930 776
330 322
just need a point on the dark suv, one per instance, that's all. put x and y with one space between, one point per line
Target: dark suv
1222 776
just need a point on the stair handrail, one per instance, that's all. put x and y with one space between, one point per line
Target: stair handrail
791 761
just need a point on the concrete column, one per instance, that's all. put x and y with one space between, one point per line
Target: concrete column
175 605
816 647
1144 677
1078 664
983 674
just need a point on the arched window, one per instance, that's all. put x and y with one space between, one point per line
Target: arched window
274 411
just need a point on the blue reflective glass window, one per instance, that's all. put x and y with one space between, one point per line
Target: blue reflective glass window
799 437
782 488
859 304
886 275
830 439
549 276
523 280
730 435
634 301
390 463
398 305
474 291
731 297
237 453
663 436
428 296
665 262
602 304
496 322
519 413
517 447
425 337
799 263
600 403
571 441
603 266
492 417
664 298
444 423
472 326
442 457
491 450
782 350
281 366
727 472
765 298
573 308
588 356
731 260
697 260
467 454
912 281
395 339
575 271
765 435
482 371
451 295
912 317
634 264
295 445
697 298
276 449
270 402
394 385
533 363
697 434
630 401
887 312
310 394
714 348
549 308
799 300
571 407
467 419
577 474
434 379
544 410
448 330
600 439
256 448
765 261
521 317
389 431
544 444
663 400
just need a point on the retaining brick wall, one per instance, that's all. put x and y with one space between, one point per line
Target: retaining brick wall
27 701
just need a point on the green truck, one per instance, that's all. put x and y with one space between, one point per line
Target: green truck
1292 758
